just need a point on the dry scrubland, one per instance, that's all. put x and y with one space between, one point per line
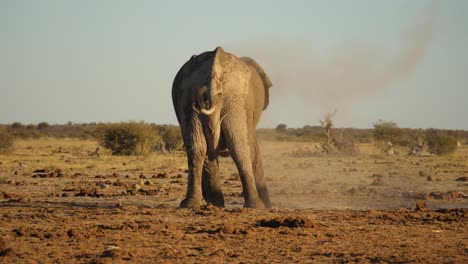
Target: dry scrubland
66 205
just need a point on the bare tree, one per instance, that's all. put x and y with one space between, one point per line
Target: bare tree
335 143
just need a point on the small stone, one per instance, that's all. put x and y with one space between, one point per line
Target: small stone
103 186
420 206
462 179
228 229
377 182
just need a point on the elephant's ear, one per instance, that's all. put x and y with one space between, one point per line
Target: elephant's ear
261 72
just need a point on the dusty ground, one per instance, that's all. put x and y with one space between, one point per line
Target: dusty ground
68 206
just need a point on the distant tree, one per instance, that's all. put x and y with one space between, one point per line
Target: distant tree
130 138
43 126
389 131
336 144
172 136
281 128
30 127
439 142
6 141
16 125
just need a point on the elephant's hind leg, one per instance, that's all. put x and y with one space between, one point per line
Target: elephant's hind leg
195 145
260 181
237 142
211 186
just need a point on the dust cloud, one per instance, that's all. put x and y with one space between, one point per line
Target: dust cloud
352 71
299 176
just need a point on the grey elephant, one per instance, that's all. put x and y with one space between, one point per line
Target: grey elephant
218 99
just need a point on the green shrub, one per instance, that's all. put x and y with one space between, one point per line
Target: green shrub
440 143
281 128
172 136
16 125
6 141
43 126
389 131
127 138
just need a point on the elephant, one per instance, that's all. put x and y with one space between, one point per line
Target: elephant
218 99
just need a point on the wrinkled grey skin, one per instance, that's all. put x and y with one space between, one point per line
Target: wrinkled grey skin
218 99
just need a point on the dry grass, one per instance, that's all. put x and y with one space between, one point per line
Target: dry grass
72 155
297 178
123 209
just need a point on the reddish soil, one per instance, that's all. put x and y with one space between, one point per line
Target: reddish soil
364 209
88 231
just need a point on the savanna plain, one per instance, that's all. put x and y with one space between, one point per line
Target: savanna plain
60 203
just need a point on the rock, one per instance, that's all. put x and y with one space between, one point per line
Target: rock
103 186
462 179
4 250
161 175
227 229
420 206
377 182
89 193
73 233
21 231
446 196
297 222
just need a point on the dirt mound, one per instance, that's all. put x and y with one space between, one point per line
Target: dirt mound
89 193
297 222
232 230
5 250
441 215
446 196
462 179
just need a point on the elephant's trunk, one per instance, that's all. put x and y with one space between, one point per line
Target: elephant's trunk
205 102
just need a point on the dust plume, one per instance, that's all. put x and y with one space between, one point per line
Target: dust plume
353 71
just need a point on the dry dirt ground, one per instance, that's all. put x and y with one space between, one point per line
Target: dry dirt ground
61 204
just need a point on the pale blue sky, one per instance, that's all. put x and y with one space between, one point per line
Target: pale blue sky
109 61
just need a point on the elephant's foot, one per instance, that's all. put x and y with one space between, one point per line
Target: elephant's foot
256 204
263 193
216 199
190 203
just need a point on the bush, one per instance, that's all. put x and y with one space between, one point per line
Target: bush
6 141
129 138
172 136
16 125
389 131
281 128
43 126
440 143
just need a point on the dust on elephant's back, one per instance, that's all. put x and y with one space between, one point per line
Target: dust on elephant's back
218 99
